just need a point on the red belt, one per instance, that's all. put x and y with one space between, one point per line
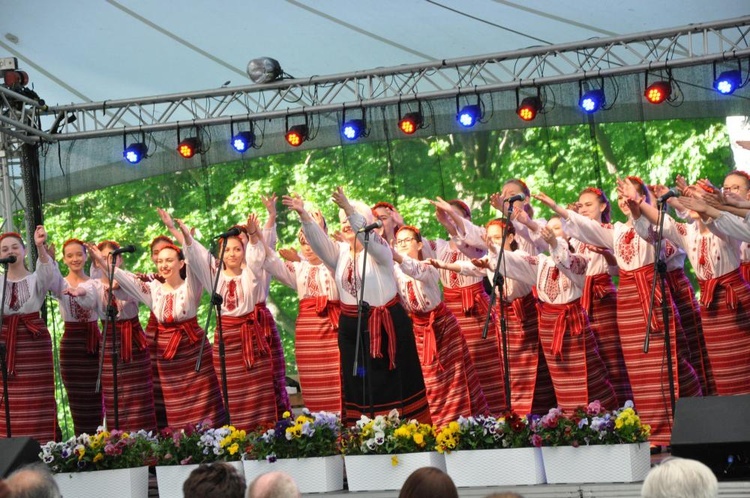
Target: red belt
379 319
189 327
250 331
427 322
728 281
471 296
595 286
93 334
323 307
263 318
642 278
569 313
33 323
126 328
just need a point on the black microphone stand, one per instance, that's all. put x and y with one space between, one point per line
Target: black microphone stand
109 323
363 307
660 273
498 281
216 302
3 364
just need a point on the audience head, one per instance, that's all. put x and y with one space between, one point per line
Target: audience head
33 481
680 478
216 480
273 485
428 482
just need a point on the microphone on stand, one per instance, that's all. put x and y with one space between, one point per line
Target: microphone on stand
517 197
371 226
121 250
673 192
9 259
232 232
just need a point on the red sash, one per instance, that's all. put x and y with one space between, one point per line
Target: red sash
427 322
250 331
379 319
93 334
323 307
642 278
595 286
33 323
745 269
189 327
567 314
471 296
126 328
728 281
263 318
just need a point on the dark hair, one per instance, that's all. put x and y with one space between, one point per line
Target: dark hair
180 256
599 193
502 224
417 235
640 187
160 238
525 189
428 482
215 480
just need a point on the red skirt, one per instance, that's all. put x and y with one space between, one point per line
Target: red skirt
647 371
264 317
469 305
725 311
190 397
317 351
31 385
450 379
79 369
250 388
578 372
152 335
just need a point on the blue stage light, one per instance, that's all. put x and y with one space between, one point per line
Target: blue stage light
353 129
469 115
243 141
133 153
592 101
728 82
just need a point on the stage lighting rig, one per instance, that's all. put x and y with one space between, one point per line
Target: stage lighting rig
528 108
189 147
469 115
296 135
593 99
136 151
729 81
354 128
242 141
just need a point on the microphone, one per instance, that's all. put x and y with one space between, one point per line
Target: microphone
121 250
371 226
517 197
673 192
232 232
9 259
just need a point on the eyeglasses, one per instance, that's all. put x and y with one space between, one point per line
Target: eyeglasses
404 241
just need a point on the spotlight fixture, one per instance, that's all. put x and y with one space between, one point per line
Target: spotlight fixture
353 129
728 82
264 70
15 78
469 115
658 92
296 135
242 141
412 121
529 108
136 151
592 100
189 147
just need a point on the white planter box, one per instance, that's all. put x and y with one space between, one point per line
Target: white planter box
130 483
312 475
170 478
387 472
499 467
601 463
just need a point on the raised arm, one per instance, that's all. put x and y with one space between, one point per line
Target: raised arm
166 218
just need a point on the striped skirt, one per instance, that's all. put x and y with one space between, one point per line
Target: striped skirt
31 383
264 317
578 372
690 318
469 305
79 369
250 388
531 389
648 371
726 309
382 388
135 399
602 313
152 335
190 397
450 379
318 358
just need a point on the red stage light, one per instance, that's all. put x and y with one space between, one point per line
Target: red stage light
296 135
189 147
529 108
658 92
411 122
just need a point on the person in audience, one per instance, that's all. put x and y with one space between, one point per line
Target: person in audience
680 478
31 481
273 485
215 480
428 482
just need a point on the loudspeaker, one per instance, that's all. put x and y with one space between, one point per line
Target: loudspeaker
17 451
714 430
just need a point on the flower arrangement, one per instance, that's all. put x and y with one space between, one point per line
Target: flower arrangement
388 434
485 432
315 434
590 425
200 443
101 451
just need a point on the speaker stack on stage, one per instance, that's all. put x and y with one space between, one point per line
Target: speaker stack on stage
714 430
17 451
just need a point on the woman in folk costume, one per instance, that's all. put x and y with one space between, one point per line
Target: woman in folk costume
28 347
395 377
599 297
530 383
316 330
135 396
467 300
452 384
189 396
78 296
635 258
522 216
714 250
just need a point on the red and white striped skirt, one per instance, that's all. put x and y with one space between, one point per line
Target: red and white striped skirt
152 335
79 369
264 317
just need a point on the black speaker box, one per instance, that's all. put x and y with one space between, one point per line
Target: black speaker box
17 451
714 430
